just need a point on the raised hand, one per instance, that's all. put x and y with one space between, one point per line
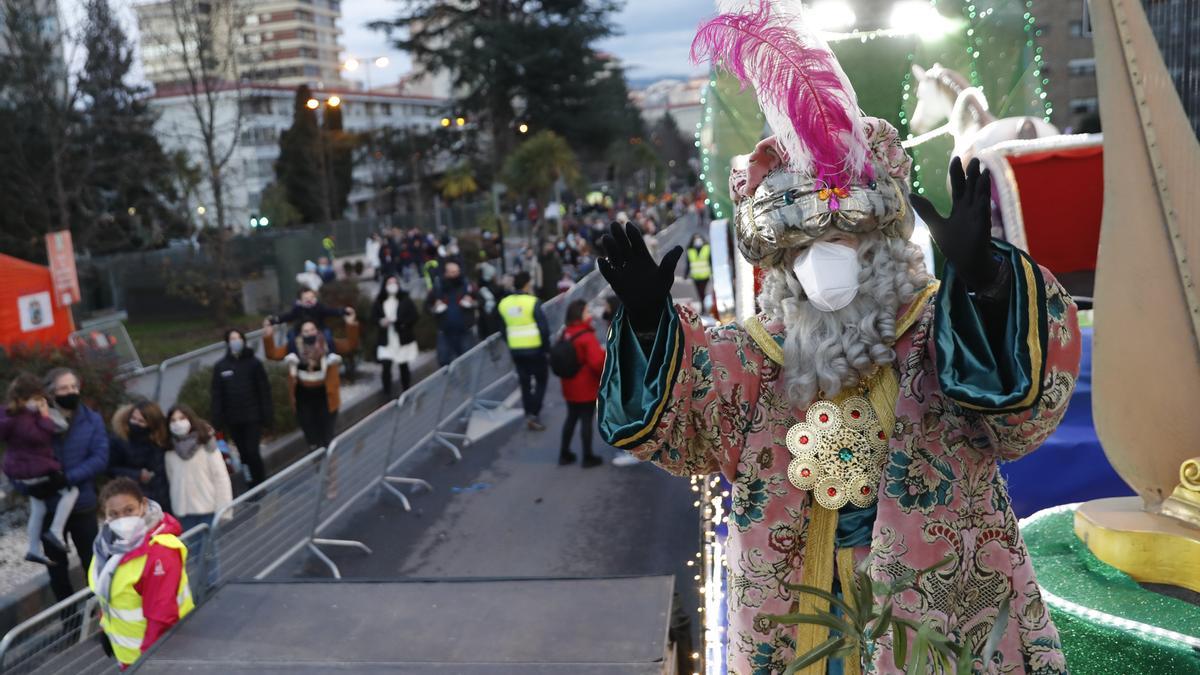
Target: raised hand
965 236
643 285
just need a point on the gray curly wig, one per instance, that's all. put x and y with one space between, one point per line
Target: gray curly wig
826 352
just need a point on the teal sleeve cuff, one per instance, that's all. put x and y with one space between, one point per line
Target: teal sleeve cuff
636 386
970 371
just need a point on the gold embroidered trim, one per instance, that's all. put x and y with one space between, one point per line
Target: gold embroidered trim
818 572
669 385
852 663
1032 339
763 339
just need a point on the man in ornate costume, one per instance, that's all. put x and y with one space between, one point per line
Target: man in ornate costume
865 409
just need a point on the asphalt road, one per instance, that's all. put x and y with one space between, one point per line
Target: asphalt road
509 510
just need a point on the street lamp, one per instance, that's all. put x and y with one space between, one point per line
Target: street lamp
524 128
445 121
312 104
350 65
201 210
333 101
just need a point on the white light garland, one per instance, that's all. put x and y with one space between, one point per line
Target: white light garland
1094 614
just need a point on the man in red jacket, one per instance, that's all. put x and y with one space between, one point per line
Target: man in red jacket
581 389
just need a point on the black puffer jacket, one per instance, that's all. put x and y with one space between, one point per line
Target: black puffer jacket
241 393
128 457
406 319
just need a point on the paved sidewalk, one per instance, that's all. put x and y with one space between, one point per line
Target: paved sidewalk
508 509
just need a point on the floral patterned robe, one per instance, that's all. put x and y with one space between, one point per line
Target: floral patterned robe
703 401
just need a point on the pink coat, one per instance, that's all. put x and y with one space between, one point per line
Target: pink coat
940 493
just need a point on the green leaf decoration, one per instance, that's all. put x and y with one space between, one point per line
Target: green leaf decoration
823 650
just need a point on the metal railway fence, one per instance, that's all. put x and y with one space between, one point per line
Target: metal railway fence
255 534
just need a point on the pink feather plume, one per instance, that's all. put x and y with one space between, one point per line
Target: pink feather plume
801 88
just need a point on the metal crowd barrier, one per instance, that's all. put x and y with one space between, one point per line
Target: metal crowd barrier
65 638
262 528
256 533
163 382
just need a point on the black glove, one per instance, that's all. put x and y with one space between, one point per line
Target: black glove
642 285
965 237
58 480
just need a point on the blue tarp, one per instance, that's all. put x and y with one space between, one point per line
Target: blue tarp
1070 466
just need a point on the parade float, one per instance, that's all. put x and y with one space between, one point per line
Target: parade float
1114 220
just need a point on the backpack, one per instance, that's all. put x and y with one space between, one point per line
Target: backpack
564 362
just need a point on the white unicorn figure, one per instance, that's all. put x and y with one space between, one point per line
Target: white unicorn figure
943 94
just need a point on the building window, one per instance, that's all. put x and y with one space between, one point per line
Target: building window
387 108
1082 67
1082 106
1076 29
256 105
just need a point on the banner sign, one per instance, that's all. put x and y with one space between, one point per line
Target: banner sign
61 254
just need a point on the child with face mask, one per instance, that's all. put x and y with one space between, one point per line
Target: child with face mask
27 428
314 376
138 570
196 470
138 449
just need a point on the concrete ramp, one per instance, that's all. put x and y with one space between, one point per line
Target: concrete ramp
600 626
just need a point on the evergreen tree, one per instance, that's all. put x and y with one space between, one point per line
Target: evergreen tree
299 168
537 55
40 165
338 146
129 197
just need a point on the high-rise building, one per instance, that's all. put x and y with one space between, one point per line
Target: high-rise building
281 42
266 111
1069 63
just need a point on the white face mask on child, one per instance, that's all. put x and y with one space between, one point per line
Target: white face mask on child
129 528
180 427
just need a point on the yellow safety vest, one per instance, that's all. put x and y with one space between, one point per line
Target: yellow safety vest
520 322
429 267
123 621
698 261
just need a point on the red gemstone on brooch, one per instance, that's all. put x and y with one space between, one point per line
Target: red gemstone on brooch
855 414
865 490
824 418
881 436
805 472
804 440
832 492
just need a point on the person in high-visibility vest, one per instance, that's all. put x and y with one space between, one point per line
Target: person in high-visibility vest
699 257
528 334
138 571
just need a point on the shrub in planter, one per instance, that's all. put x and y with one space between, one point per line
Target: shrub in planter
101 390
197 393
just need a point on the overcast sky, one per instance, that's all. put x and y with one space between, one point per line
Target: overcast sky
654 41
656 35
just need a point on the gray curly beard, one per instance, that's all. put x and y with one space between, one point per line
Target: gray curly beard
826 352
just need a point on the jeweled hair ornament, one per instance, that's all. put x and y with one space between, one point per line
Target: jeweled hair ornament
827 165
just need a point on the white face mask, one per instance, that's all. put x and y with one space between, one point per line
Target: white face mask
129 528
829 274
31 406
180 427
393 289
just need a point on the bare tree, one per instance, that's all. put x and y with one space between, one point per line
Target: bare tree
199 41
